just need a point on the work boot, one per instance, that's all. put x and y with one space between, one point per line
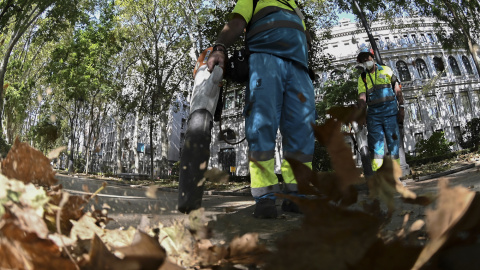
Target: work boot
265 208
289 206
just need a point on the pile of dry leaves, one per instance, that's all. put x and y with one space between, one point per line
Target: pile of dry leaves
43 227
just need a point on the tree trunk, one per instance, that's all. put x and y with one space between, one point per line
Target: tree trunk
164 145
118 139
135 142
151 146
473 48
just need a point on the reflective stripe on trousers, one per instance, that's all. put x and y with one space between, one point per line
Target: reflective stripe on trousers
264 180
377 163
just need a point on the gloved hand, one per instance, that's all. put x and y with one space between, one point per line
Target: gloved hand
400 115
361 107
216 58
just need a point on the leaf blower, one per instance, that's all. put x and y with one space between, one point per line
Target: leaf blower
196 148
361 142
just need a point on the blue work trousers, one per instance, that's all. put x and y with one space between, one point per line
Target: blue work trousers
380 127
279 95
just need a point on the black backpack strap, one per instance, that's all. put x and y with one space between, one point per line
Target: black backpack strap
364 78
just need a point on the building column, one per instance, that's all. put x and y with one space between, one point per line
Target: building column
431 66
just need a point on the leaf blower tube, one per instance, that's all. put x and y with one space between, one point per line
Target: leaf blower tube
362 145
196 148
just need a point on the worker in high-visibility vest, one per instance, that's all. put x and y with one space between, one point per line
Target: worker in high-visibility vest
279 94
379 90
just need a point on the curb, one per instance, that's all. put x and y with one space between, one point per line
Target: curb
436 175
165 189
213 192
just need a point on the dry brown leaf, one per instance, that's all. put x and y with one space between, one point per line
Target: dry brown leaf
72 210
347 173
152 191
452 204
393 256
168 265
329 238
22 245
29 165
197 224
85 228
385 183
425 199
216 175
247 250
320 184
208 254
56 152
145 250
179 243
347 114
101 258
301 97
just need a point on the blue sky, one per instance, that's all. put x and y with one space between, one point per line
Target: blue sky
347 15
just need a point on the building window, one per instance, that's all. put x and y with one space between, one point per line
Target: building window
451 105
467 65
431 39
182 138
336 75
453 64
465 99
413 111
476 99
403 71
423 38
418 137
432 107
414 39
422 69
458 134
239 99
229 100
439 66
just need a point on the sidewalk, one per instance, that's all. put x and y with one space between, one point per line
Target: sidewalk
230 217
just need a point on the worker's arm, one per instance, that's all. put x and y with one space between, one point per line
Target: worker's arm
229 34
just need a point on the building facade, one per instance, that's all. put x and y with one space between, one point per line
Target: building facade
105 160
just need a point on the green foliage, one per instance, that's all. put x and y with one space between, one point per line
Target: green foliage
340 89
45 134
79 165
321 159
471 135
436 145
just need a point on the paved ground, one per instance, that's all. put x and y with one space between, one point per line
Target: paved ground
229 215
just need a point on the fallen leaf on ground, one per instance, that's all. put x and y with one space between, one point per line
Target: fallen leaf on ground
56 152
29 165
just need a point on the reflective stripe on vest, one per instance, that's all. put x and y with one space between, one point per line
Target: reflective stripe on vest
379 86
274 24
380 100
